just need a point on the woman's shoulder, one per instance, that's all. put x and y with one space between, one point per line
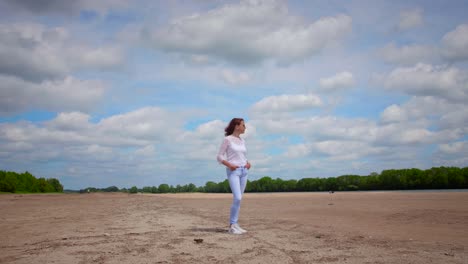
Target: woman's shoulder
234 139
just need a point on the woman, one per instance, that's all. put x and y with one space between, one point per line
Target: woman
232 155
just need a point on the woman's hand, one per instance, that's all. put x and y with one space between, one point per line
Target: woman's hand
248 165
229 165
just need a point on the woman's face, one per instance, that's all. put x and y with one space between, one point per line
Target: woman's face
241 127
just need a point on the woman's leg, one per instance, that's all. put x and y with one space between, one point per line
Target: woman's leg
243 180
235 184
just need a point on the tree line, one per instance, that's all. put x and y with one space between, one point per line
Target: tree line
394 179
26 183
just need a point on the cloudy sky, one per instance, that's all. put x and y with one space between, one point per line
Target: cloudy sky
116 92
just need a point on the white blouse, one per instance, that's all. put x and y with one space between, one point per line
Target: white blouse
233 150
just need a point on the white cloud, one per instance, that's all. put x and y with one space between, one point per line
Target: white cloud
35 53
393 113
407 136
413 134
320 127
235 78
453 47
455 44
287 103
460 147
73 138
422 120
209 130
149 123
345 150
408 54
427 80
101 58
66 7
428 110
58 95
200 59
329 128
452 154
410 19
70 121
93 152
339 81
139 128
298 151
455 118
26 132
250 32
31 52
202 144
146 151
336 150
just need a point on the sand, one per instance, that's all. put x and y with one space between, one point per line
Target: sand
344 227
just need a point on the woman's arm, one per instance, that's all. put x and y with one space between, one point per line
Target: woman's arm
229 165
222 153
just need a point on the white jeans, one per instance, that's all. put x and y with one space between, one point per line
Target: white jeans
237 181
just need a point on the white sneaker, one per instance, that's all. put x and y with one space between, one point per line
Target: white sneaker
234 231
236 226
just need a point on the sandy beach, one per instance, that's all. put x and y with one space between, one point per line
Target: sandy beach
346 227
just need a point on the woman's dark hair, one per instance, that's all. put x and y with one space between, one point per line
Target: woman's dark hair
232 125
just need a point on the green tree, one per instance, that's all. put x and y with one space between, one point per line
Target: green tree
437 178
25 182
9 183
330 184
191 187
44 186
57 187
465 176
265 184
163 188
390 179
455 177
348 182
211 187
134 189
289 186
146 189
414 178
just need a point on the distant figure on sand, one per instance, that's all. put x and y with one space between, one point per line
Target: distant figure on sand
232 154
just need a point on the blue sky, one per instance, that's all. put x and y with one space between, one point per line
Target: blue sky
115 92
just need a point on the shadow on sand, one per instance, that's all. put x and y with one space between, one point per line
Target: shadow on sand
210 229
